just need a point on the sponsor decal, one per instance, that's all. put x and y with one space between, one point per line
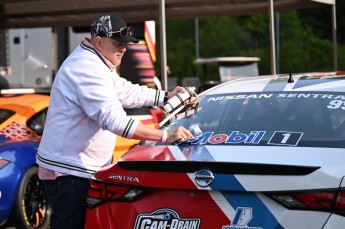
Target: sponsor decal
250 96
165 218
241 219
236 137
285 138
310 95
254 137
336 104
281 95
123 178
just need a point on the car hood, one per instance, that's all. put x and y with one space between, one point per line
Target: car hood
236 168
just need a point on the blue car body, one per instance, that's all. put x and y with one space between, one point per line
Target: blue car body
22 198
21 155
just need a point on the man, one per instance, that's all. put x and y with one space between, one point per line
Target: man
85 115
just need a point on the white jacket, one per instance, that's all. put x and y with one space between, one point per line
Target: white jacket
86 109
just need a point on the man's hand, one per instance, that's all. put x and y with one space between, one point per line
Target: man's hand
179 134
179 89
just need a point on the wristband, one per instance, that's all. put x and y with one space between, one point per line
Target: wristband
165 136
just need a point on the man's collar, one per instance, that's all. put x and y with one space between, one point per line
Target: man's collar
85 44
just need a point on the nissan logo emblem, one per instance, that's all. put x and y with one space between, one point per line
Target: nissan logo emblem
203 178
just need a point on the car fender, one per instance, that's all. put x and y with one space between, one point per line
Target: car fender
21 156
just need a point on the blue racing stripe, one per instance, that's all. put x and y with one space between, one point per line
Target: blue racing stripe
276 85
237 197
306 81
261 215
196 152
226 182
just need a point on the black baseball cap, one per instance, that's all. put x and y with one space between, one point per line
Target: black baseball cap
114 27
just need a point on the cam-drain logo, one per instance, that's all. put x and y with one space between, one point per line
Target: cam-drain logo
165 218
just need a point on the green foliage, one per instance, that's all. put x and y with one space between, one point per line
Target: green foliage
306 53
304 42
341 60
222 36
180 48
300 48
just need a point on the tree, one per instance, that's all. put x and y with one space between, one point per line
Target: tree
305 40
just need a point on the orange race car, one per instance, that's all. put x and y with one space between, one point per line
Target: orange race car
22 199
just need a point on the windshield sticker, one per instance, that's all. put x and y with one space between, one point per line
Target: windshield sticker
283 95
229 97
336 104
165 218
285 138
241 219
254 137
311 95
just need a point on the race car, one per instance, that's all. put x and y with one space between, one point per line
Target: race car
267 152
22 199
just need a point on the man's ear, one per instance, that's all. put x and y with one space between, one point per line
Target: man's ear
97 42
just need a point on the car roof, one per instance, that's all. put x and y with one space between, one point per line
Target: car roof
24 102
329 81
22 99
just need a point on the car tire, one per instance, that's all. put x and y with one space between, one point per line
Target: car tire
30 209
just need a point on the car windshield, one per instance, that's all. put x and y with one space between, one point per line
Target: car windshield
5 114
289 118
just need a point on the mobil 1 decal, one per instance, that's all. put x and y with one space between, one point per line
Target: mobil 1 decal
252 138
285 138
165 218
235 137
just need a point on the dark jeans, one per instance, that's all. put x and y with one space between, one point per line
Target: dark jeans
66 196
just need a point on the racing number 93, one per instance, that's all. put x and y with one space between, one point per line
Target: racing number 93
336 104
